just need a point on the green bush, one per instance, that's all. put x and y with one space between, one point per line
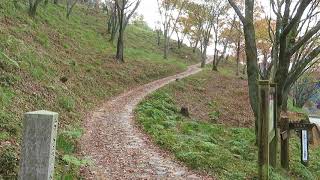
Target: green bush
66 146
8 163
67 103
7 79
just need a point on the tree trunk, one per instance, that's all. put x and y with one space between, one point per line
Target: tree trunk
204 56
280 77
70 6
220 58
33 7
284 106
178 42
115 26
119 55
158 37
252 60
214 62
238 57
195 47
109 26
166 44
32 11
120 47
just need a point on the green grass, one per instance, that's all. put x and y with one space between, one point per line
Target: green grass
36 53
67 103
293 108
222 151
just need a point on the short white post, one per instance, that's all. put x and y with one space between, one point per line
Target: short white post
38 145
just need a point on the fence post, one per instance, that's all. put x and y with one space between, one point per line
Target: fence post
285 134
273 144
263 156
38 145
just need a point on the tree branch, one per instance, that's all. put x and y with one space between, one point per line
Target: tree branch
304 38
296 18
237 10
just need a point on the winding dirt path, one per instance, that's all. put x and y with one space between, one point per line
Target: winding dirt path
119 149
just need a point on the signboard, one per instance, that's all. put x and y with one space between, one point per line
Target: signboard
267 140
272 112
301 126
304 146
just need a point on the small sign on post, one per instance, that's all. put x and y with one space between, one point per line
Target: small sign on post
38 145
304 147
303 128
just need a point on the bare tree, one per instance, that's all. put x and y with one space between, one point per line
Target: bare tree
207 25
295 28
219 11
125 11
167 10
112 19
201 22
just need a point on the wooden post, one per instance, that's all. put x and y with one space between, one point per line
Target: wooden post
263 156
38 145
274 142
285 134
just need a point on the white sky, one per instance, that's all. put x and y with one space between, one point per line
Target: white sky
149 10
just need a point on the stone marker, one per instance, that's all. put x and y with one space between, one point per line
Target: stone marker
38 145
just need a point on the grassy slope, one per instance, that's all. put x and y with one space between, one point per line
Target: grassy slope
51 47
221 149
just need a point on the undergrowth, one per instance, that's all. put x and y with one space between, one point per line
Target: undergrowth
219 150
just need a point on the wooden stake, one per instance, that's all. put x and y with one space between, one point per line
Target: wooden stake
285 134
274 142
263 156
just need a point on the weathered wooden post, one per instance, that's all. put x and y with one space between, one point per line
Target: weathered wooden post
273 125
263 156
285 134
38 145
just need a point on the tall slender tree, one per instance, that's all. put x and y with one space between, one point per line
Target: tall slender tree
219 13
170 11
125 10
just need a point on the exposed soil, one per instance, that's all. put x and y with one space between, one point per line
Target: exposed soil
120 150
212 91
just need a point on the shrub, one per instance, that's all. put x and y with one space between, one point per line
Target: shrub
67 103
9 163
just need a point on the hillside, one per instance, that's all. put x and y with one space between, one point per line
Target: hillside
218 136
67 66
